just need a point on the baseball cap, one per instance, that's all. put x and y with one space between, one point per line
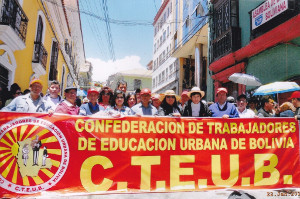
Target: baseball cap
222 89
36 81
92 90
184 93
70 88
295 94
145 91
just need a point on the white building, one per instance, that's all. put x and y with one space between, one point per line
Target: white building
165 67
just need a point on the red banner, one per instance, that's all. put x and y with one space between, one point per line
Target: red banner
72 154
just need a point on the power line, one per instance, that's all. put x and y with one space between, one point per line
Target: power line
110 40
123 22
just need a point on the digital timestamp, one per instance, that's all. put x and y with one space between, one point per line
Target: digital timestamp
283 193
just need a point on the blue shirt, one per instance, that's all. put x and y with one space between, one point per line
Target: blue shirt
228 109
85 109
142 110
114 110
25 103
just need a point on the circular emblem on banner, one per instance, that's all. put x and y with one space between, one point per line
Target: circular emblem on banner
34 155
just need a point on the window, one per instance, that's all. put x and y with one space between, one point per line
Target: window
187 22
164 36
53 61
137 83
167 74
153 83
199 10
168 31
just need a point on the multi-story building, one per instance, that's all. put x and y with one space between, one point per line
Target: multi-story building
165 67
40 39
261 38
135 78
190 43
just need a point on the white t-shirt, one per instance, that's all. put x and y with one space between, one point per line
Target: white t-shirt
53 102
195 109
247 113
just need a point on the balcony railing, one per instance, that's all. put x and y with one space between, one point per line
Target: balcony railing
40 54
13 15
226 43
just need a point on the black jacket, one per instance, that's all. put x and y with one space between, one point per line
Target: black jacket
204 110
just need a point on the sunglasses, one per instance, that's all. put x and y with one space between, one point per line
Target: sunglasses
18 93
120 97
170 97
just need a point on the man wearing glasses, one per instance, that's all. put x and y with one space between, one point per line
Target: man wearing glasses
68 105
31 102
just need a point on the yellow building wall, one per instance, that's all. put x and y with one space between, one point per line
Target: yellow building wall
24 57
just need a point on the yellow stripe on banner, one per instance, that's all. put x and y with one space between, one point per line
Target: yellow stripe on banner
55 163
43 132
49 139
7 169
9 137
25 181
4 154
5 160
15 131
23 129
31 131
5 142
47 172
54 151
37 180
14 179
4 148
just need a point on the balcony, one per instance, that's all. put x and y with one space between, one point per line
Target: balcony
13 24
39 61
226 43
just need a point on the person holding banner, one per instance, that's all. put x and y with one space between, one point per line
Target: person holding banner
169 104
68 105
117 107
144 107
241 107
196 107
222 108
31 102
267 108
105 97
295 97
92 106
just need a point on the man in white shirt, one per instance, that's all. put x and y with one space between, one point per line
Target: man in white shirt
241 107
53 98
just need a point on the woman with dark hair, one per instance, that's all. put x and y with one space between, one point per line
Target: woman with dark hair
170 105
117 107
105 97
130 99
15 91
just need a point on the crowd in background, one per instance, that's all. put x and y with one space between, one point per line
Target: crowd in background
119 102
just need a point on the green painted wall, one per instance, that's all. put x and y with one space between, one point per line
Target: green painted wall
279 63
244 18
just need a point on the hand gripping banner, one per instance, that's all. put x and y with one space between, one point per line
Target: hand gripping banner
88 155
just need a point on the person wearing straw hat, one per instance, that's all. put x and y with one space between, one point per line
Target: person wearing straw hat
196 107
169 104
222 108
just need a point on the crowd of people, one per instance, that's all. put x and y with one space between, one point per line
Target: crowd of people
117 103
